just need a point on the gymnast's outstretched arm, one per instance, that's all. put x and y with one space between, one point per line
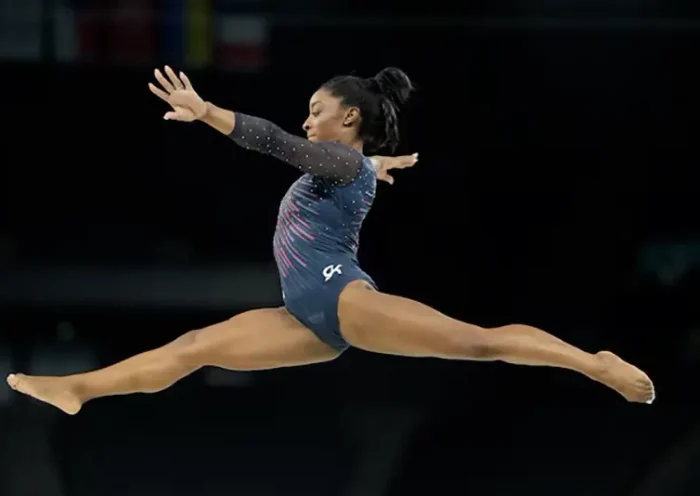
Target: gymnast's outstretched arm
334 161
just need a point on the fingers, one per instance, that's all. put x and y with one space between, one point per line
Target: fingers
186 80
167 86
173 78
179 114
158 92
172 82
387 178
386 163
173 87
406 161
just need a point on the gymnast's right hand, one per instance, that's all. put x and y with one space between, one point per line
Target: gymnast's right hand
187 105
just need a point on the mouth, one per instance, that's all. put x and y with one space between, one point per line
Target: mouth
310 136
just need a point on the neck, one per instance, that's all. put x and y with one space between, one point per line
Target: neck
350 138
356 144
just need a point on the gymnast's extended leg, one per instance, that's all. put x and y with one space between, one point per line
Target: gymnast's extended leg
384 323
254 340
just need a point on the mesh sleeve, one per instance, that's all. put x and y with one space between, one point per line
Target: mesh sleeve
334 161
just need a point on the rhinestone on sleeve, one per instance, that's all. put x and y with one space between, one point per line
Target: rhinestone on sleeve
335 161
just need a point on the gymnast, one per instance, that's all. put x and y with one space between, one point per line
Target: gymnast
330 303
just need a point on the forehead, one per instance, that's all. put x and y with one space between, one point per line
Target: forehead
323 97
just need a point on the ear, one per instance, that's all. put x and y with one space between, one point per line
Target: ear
351 116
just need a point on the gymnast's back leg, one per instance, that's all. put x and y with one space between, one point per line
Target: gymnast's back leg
254 340
389 324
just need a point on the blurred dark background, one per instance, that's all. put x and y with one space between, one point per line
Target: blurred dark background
557 186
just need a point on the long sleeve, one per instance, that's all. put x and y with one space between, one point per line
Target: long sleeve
334 161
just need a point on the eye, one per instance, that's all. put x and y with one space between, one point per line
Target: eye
315 113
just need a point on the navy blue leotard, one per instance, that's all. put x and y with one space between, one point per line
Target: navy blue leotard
319 221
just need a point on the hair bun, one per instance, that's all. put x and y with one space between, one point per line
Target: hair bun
394 84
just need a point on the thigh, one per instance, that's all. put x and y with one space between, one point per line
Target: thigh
384 323
256 340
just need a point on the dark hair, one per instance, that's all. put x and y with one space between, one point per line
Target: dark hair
379 99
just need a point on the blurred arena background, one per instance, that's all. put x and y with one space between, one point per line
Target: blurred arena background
557 186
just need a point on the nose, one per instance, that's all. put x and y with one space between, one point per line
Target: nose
306 126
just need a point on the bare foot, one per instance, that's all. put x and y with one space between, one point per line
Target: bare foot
626 379
51 390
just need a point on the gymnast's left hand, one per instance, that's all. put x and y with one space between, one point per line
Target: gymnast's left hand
187 105
385 164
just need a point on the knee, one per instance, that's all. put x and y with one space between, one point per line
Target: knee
480 343
185 341
486 347
184 350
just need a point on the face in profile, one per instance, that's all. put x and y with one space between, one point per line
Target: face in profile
328 119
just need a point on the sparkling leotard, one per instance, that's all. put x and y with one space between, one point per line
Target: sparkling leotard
323 211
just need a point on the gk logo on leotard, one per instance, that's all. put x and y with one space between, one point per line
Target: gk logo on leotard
331 270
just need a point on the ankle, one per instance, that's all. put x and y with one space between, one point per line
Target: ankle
77 388
599 366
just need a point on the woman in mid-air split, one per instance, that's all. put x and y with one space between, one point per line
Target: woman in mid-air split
330 304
